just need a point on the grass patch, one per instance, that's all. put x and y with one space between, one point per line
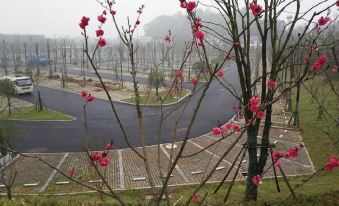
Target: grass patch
29 113
267 195
319 145
150 98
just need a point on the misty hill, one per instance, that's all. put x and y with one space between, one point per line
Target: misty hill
180 26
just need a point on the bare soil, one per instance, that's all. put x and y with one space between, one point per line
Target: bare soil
75 84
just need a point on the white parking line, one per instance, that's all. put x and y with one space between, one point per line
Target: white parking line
121 171
50 178
296 163
95 181
220 168
139 178
217 156
62 183
196 172
224 141
31 184
286 142
179 170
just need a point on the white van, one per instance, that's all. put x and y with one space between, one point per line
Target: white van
23 84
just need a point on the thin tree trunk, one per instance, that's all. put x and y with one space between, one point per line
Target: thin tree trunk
251 189
265 140
297 105
140 120
9 106
9 194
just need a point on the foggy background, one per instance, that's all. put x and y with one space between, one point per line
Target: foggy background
60 18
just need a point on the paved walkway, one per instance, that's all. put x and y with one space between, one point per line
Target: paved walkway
127 171
16 103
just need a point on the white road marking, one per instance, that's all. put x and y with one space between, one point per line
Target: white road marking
31 185
217 156
121 171
95 181
62 183
296 163
50 178
196 172
139 178
220 168
179 170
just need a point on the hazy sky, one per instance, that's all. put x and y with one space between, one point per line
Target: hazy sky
61 17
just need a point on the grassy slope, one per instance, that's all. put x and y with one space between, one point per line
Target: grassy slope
29 113
322 190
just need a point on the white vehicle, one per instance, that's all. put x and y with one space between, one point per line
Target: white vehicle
23 84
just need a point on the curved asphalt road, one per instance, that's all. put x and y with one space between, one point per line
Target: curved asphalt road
103 127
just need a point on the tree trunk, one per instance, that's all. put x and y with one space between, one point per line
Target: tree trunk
157 92
9 194
39 106
265 140
14 60
289 101
296 111
9 105
122 80
251 189
83 69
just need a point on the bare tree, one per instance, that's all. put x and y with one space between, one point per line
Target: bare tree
4 57
8 177
39 105
7 90
49 60
121 60
64 65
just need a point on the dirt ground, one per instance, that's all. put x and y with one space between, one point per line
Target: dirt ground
93 86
